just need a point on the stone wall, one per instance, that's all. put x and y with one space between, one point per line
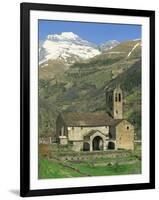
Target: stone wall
124 135
95 155
77 146
77 133
45 140
63 140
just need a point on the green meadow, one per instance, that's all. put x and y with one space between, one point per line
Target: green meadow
51 166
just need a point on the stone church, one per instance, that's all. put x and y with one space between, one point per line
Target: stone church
97 131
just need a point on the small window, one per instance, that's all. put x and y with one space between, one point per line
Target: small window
72 128
81 127
119 97
116 112
116 98
127 127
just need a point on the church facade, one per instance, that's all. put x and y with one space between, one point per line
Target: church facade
97 131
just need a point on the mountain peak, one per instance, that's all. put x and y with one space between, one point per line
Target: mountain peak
109 45
63 36
66 46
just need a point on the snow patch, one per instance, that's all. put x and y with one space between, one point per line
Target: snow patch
114 52
134 47
108 45
63 36
68 47
137 39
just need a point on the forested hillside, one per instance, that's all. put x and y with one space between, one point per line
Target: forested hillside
81 86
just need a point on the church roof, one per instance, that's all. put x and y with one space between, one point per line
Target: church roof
92 132
116 121
87 119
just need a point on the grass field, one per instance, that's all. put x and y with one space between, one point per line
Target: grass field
109 170
51 167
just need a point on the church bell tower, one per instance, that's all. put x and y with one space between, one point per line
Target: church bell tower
114 103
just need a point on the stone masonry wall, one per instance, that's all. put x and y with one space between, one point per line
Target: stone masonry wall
125 135
77 133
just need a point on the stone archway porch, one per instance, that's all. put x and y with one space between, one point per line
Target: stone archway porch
98 137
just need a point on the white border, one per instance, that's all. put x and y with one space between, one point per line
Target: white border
86 181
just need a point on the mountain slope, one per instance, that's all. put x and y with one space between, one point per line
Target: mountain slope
68 47
108 45
81 88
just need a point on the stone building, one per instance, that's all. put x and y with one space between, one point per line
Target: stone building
97 131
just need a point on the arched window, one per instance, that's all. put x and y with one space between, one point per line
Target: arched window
111 145
116 98
119 97
86 146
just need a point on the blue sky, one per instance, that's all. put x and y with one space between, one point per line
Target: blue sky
93 32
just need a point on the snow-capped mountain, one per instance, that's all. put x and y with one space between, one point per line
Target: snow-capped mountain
108 45
67 47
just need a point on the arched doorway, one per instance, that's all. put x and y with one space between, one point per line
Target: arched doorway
111 145
86 146
97 143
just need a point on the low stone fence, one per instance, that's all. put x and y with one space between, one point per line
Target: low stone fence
45 140
92 155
